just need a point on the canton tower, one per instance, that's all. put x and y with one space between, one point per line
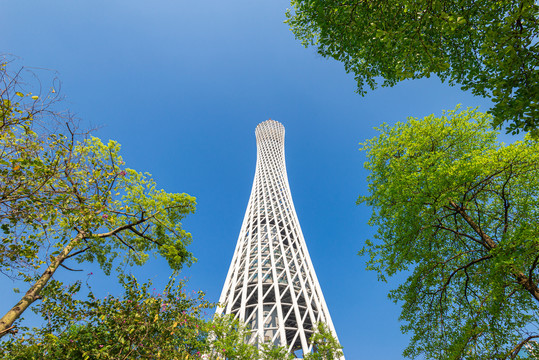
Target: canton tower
271 284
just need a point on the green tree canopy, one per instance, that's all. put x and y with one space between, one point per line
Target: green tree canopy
140 324
69 198
228 340
325 345
458 213
489 47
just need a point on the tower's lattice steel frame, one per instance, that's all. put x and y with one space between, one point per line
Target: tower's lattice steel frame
271 284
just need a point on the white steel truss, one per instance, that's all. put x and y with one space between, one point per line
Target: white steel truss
271 284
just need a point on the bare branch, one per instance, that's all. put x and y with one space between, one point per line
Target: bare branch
440 226
120 228
534 265
68 268
8 330
141 234
78 252
123 242
464 268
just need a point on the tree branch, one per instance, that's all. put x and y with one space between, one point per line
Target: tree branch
8 330
456 232
454 272
68 268
123 242
144 236
514 352
121 228
487 242
33 293
78 252
490 245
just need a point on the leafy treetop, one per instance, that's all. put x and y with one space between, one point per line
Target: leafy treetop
489 47
458 212
69 197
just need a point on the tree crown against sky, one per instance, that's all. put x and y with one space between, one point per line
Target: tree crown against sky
325 344
488 47
141 323
458 212
68 198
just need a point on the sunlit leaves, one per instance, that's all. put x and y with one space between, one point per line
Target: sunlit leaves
325 345
458 212
488 47
67 196
142 323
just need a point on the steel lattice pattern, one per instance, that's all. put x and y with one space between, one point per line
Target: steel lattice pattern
271 284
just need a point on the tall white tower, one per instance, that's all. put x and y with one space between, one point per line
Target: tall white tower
271 284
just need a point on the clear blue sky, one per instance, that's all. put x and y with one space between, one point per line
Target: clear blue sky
182 85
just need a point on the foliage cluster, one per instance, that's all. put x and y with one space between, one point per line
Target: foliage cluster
66 197
459 212
141 324
325 345
488 47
